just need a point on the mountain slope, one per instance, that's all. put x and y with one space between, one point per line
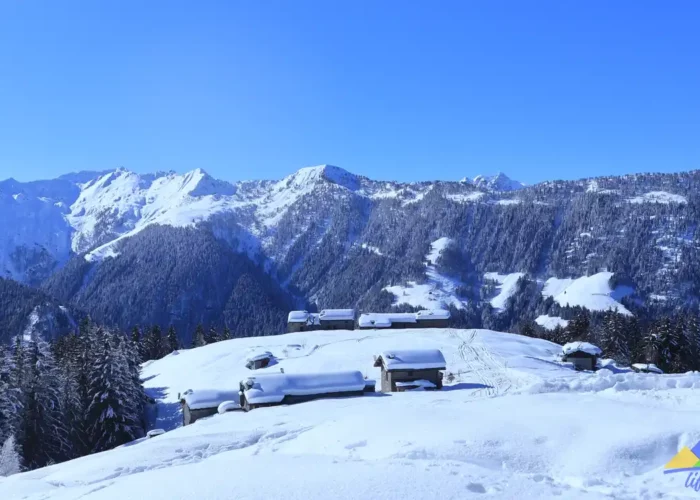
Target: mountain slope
333 239
478 437
29 312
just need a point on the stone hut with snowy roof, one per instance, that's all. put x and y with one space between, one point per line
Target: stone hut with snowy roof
582 355
433 318
337 319
411 369
203 403
371 321
302 321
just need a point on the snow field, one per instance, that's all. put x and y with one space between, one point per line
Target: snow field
542 430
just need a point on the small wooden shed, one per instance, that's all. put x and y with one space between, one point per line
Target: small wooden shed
582 355
203 403
260 360
411 369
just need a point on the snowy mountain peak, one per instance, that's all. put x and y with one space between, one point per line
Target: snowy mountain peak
329 173
498 182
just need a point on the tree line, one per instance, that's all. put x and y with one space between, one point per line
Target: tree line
152 344
78 395
671 342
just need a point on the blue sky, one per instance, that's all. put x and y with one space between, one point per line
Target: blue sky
392 90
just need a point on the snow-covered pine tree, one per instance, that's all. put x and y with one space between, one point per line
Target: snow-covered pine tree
108 415
154 343
45 437
212 336
9 457
173 343
226 335
199 340
578 328
10 406
614 340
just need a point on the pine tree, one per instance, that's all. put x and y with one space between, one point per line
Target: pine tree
614 341
10 406
212 336
199 340
173 342
45 438
578 328
226 335
108 416
9 458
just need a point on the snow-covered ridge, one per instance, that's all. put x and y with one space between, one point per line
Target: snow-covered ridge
498 182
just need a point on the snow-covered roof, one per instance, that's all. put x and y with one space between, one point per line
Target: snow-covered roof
337 314
385 320
414 359
298 317
433 314
207 398
647 367
273 387
257 356
573 347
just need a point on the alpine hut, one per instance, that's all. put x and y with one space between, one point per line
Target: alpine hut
272 389
433 318
203 403
582 355
337 319
371 321
411 369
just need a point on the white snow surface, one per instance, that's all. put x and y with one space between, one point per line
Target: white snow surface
438 292
507 287
551 322
659 197
586 347
514 423
413 359
592 292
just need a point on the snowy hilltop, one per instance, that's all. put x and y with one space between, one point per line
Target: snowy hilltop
512 421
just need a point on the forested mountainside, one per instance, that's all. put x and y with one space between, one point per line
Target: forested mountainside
27 311
187 249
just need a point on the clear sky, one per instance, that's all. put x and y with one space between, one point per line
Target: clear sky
406 90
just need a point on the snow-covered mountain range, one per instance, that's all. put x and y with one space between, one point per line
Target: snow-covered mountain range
328 237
